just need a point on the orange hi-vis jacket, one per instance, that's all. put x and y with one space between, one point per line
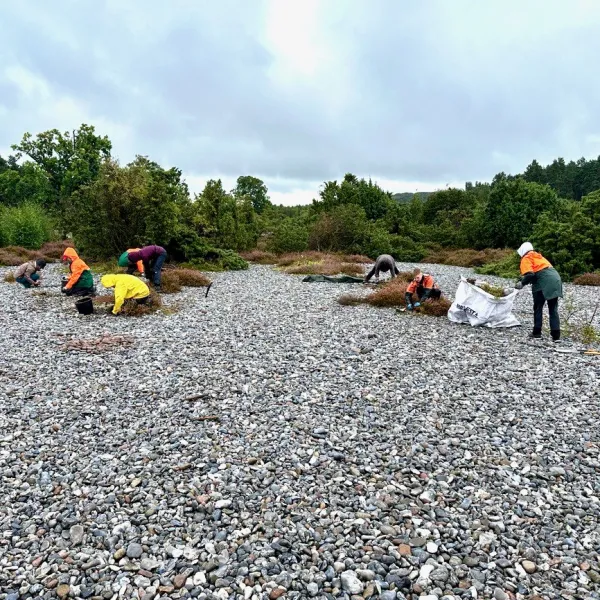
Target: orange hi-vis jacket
140 264
534 262
425 280
77 267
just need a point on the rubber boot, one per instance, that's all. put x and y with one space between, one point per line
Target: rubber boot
555 333
536 335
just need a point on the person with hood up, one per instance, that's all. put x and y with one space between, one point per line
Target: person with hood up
384 264
28 273
152 257
546 287
126 287
80 282
425 287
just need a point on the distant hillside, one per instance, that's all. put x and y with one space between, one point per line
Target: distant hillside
404 197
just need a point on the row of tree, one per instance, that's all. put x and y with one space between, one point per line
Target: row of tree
72 179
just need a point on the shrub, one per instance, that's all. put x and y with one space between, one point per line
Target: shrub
55 250
351 300
592 279
507 267
170 283
13 256
190 277
291 235
259 256
405 249
466 257
26 225
9 277
132 309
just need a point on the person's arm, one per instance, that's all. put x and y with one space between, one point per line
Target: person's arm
369 275
119 298
408 299
140 267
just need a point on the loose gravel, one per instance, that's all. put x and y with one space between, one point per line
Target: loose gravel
266 442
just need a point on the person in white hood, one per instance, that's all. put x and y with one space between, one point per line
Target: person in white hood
546 287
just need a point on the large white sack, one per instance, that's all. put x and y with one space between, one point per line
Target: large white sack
478 308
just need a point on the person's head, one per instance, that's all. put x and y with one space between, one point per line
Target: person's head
40 263
418 276
108 281
524 249
69 255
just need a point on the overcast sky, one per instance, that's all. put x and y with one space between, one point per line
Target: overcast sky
414 94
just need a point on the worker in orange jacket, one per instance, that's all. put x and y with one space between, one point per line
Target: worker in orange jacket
80 282
546 286
425 287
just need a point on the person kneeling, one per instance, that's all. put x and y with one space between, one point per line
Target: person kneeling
127 287
80 282
27 274
425 287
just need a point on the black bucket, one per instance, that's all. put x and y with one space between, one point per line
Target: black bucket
85 306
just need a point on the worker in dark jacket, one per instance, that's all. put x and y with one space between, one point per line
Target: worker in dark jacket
384 264
425 287
546 287
152 257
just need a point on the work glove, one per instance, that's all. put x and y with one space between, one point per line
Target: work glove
409 307
417 304
518 285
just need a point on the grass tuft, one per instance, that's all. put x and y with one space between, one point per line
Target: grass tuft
190 277
466 257
9 277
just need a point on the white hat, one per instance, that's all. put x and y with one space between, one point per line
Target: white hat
524 249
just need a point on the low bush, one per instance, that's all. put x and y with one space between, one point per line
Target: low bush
132 309
170 283
592 279
466 257
326 267
55 250
507 267
259 256
190 277
25 225
351 300
9 277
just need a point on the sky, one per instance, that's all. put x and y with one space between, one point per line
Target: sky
415 95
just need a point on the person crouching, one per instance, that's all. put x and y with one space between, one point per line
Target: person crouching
384 264
425 287
127 287
28 273
80 281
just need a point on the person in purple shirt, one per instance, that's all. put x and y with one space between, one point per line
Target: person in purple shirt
153 258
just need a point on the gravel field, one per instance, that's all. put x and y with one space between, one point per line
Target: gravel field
266 442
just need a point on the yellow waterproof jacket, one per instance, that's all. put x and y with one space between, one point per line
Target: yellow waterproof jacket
126 286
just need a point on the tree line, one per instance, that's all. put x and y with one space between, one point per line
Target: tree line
69 183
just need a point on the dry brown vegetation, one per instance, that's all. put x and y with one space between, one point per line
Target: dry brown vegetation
259 256
592 279
392 295
101 344
13 256
466 257
132 309
107 299
321 263
191 278
9 277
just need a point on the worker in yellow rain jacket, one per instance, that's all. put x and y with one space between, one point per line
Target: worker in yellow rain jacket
546 286
424 286
126 287
81 281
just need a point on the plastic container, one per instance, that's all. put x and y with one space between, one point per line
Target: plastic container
84 306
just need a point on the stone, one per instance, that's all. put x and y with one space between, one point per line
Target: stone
179 580
351 583
134 550
529 566
76 534
63 590
500 594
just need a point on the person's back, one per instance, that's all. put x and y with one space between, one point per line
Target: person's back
126 287
384 264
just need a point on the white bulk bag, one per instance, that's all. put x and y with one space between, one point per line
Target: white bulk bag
478 308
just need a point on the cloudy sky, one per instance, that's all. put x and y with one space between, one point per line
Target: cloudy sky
414 94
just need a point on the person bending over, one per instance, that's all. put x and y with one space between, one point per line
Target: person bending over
384 264
126 287
152 257
546 286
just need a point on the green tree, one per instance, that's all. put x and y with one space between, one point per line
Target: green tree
255 189
513 208
68 160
